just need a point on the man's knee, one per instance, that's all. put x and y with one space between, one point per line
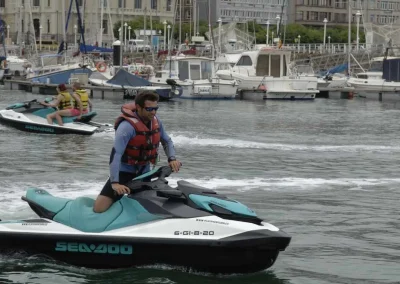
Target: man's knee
102 203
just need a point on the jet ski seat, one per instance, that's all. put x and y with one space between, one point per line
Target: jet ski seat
46 200
66 119
126 212
79 214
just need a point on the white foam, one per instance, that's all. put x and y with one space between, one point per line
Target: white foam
12 207
189 140
287 183
196 141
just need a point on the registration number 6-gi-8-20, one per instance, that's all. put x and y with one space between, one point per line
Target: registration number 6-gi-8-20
194 233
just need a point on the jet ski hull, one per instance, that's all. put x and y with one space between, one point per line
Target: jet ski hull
189 226
30 123
242 253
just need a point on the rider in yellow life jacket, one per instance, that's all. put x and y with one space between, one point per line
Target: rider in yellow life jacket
84 98
63 102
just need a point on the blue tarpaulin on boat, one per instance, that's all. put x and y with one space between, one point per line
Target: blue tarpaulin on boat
124 78
93 48
391 70
337 69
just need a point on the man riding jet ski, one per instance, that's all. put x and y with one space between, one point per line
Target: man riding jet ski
189 226
31 116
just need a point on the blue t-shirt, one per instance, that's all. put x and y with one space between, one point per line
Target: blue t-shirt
123 134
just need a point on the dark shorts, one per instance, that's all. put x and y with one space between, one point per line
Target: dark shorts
107 190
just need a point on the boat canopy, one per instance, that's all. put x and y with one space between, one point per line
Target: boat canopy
124 78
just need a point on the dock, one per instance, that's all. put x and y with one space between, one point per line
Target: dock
97 92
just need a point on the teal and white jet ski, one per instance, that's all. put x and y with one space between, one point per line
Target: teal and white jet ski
189 226
30 116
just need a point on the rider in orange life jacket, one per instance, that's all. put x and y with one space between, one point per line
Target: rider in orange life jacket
137 137
64 103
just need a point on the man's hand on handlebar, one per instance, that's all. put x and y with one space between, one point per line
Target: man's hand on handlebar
120 189
175 165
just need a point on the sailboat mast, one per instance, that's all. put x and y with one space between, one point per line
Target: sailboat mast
110 19
83 14
63 29
101 22
32 27
144 24
190 20
180 22
151 35
210 31
194 17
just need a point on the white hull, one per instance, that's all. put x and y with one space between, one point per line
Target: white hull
35 123
284 88
374 85
204 89
378 96
164 229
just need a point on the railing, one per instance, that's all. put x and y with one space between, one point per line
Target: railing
319 48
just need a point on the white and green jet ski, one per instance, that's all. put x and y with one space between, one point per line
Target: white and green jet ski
30 116
189 226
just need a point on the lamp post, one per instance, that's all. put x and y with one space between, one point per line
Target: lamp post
325 21
40 37
219 34
277 25
298 43
169 31
165 33
129 33
75 29
267 32
158 42
125 27
329 43
358 15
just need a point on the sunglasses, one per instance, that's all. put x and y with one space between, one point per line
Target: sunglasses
149 109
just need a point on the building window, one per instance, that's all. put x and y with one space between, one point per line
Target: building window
105 3
22 25
314 16
154 4
36 3
48 3
105 27
188 15
80 3
2 3
168 5
121 3
299 16
138 4
48 26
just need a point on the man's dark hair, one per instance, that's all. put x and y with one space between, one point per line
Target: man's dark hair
146 96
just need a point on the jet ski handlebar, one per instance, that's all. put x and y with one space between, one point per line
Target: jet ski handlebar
144 181
26 104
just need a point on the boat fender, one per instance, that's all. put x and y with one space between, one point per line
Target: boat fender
4 64
101 67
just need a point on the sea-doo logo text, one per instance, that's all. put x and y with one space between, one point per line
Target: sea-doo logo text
38 128
92 248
